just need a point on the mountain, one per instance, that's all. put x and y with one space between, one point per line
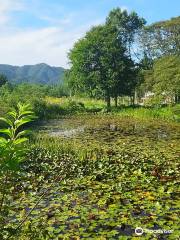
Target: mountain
39 73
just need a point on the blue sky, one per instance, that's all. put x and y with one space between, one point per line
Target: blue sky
34 31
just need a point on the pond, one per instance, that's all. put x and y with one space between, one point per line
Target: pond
107 128
62 127
118 174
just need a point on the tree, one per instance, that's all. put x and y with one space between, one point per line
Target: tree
3 80
160 44
99 62
127 25
161 38
164 77
166 72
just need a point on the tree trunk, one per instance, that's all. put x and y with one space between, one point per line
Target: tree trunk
132 100
108 101
177 98
116 101
135 98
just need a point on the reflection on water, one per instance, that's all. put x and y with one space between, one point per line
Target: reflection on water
66 133
62 128
104 130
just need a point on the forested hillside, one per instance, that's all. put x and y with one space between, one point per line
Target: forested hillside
39 73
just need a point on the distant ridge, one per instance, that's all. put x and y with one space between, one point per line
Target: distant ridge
40 73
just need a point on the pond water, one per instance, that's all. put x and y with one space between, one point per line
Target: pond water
114 161
107 129
62 128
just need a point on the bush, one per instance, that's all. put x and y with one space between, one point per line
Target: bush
176 112
45 110
74 106
39 107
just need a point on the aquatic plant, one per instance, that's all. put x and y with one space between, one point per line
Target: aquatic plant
117 175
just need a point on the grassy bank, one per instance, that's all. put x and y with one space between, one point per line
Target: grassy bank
168 113
47 107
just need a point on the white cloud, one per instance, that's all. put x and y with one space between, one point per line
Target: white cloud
49 45
24 45
8 6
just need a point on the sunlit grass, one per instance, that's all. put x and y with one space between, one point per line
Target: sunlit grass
168 113
88 102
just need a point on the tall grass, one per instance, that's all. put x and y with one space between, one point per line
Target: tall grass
169 113
88 103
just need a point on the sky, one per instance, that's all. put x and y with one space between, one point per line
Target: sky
43 31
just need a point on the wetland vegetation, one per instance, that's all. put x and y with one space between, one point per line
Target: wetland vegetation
103 175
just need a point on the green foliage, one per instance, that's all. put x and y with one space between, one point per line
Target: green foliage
162 38
127 26
164 78
168 113
32 94
59 90
102 62
12 153
99 62
95 176
160 47
3 80
166 73
21 93
13 137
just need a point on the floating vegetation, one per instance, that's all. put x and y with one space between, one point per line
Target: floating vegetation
103 182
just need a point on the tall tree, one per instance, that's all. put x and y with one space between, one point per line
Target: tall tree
161 38
99 61
160 43
164 77
127 25
166 72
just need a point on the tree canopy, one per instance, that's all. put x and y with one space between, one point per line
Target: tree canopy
127 25
161 38
161 63
99 61
3 80
103 61
166 73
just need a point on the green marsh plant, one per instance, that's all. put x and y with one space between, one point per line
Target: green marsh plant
12 151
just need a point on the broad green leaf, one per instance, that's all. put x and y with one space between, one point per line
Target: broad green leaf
22 121
13 114
7 132
22 133
6 120
26 113
3 141
20 141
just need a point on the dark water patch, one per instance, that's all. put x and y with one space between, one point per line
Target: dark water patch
110 130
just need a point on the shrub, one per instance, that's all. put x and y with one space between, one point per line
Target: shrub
74 106
12 152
